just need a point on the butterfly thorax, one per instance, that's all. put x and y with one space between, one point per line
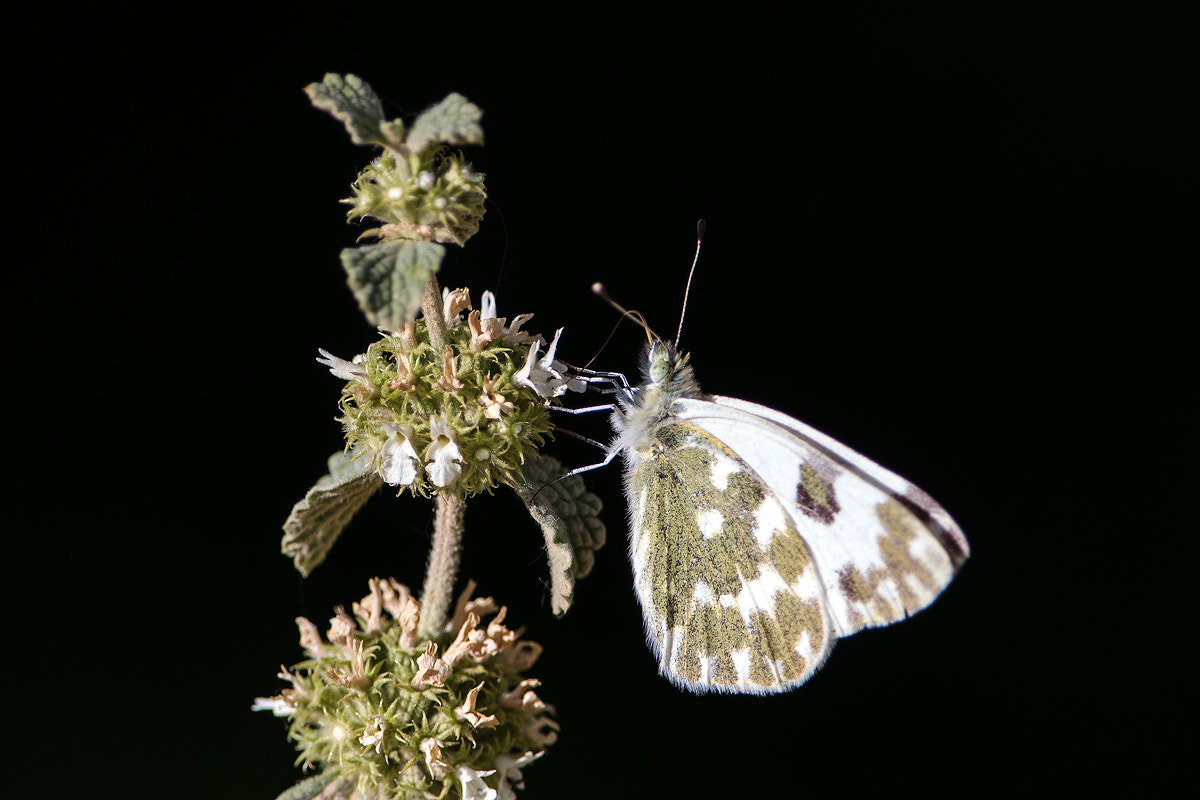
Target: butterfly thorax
667 376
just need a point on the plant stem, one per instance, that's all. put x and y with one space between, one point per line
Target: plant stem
443 563
431 307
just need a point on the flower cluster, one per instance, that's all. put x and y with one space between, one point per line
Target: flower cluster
466 416
434 197
393 716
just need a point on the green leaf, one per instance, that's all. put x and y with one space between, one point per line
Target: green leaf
318 519
455 120
311 788
352 101
569 517
389 278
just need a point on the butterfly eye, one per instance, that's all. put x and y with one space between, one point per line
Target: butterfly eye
659 369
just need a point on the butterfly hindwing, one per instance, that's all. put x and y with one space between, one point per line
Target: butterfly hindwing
731 596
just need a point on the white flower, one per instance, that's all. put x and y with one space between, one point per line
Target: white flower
346 370
540 374
276 705
487 306
442 455
513 333
399 460
473 787
510 771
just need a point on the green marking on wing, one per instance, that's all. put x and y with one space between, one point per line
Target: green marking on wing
901 569
815 495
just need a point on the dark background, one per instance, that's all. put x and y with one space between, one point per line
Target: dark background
952 238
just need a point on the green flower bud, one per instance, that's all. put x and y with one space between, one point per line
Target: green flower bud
437 198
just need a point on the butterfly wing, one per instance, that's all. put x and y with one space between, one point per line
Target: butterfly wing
732 598
882 548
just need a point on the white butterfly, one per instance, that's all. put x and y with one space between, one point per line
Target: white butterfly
757 541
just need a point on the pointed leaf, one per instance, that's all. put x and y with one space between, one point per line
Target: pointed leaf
312 788
352 101
388 279
455 120
318 519
569 517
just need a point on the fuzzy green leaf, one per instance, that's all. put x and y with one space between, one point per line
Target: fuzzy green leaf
310 788
316 521
455 120
354 103
389 278
569 517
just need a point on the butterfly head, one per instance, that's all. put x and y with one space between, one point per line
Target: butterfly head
666 373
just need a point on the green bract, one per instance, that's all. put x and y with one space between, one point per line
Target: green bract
434 197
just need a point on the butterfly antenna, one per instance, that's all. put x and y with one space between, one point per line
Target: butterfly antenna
700 227
598 288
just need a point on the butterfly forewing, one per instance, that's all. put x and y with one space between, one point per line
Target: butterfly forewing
883 548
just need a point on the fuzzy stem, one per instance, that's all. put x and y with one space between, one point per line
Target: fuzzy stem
431 307
443 563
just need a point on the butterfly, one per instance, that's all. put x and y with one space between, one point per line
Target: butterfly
757 541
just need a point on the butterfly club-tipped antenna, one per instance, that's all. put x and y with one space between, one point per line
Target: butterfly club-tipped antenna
636 316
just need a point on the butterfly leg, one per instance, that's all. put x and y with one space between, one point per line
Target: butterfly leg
608 457
616 381
585 410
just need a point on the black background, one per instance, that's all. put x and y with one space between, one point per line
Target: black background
952 238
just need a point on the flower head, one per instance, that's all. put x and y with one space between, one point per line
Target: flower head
397 720
492 423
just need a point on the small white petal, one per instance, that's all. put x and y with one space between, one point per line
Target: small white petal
524 376
548 360
473 787
573 384
439 427
276 705
442 455
513 333
540 374
399 460
487 306
510 772
341 368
